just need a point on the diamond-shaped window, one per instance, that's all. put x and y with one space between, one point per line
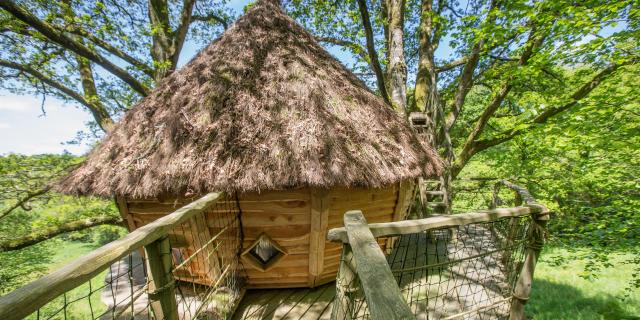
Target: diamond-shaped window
264 253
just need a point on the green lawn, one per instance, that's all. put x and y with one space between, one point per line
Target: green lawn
560 293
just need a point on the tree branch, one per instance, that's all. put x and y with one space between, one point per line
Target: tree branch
60 38
469 148
181 32
453 64
466 75
211 17
50 232
579 94
21 202
371 49
113 50
355 47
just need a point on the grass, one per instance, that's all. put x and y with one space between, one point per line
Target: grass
560 293
69 250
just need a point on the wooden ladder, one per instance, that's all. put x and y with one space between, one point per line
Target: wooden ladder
433 197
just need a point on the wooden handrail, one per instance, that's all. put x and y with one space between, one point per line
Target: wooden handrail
380 287
27 299
445 221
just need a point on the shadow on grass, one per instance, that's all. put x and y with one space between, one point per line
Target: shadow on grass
556 301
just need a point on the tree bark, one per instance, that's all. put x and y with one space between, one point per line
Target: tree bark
166 43
426 94
100 114
397 68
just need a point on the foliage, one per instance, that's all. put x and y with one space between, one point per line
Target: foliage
20 175
585 165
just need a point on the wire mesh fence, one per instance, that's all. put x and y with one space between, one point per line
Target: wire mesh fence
202 275
463 272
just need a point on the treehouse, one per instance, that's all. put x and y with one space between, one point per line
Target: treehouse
266 115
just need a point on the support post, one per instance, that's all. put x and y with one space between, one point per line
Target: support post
522 290
380 288
344 286
161 282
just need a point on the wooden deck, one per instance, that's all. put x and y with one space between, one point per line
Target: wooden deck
459 279
287 303
474 286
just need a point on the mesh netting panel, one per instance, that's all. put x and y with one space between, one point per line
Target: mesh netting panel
466 272
203 254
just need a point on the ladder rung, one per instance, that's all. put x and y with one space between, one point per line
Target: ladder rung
436 204
435 192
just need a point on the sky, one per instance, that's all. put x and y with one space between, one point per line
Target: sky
25 129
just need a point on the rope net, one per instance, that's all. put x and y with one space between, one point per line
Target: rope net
204 270
464 272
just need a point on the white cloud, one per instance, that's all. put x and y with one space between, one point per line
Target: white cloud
10 102
25 130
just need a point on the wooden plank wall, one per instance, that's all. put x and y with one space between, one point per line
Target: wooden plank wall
378 205
297 220
285 217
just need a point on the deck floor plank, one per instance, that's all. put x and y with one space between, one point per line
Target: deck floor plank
291 304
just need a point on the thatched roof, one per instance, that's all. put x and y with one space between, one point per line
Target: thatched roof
263 107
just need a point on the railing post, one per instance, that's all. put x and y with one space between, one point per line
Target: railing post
522 289
161 282
344 285
381 290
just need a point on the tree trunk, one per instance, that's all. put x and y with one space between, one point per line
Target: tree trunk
397 69
99 112
161 51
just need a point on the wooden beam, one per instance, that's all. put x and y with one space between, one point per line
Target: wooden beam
405 192
27 299
161 284
319 222
380 288
344 286
522 289
415 226
123 208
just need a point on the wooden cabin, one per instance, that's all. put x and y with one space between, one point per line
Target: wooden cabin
265 114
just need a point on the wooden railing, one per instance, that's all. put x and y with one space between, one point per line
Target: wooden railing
364 267
153 237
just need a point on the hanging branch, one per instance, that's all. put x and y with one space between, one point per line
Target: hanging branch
371 49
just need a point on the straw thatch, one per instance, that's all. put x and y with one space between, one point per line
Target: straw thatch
263 107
